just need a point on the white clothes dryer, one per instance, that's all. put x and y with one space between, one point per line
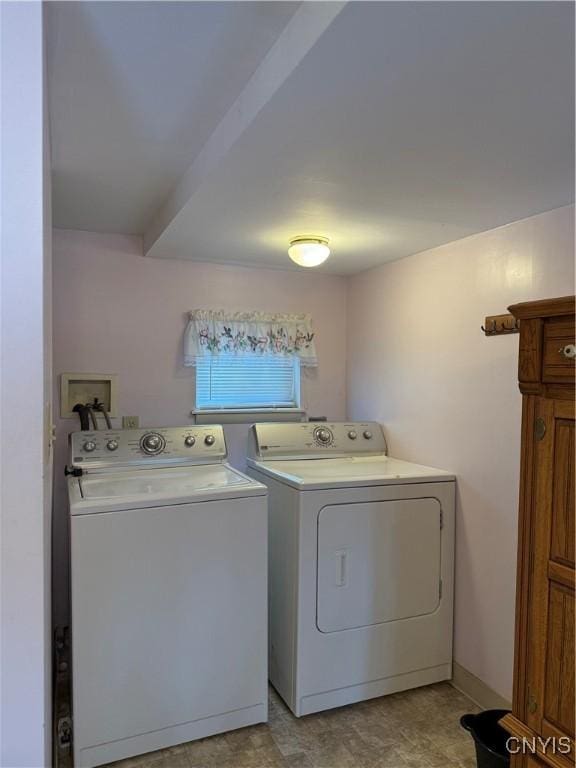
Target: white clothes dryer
361 559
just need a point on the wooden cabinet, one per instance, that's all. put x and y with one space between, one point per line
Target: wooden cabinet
534 762
543 699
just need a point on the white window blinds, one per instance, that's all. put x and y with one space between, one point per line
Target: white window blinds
237 381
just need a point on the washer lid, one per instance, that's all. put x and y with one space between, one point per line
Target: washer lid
156 487
310 474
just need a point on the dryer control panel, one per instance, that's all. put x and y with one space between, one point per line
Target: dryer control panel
316 440
154 446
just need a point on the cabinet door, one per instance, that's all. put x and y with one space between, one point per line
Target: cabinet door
550 671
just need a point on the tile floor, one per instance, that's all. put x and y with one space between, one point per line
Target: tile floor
418 728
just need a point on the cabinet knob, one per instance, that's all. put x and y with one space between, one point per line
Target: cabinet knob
568 351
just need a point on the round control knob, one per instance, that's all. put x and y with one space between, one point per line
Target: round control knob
189 440
352 434
209 439
367 434
89 446
323 435
112 445
152 443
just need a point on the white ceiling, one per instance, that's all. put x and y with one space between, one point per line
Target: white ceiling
388 127
135 90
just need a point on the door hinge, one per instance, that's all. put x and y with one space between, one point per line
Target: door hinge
64 733
440 590
441 518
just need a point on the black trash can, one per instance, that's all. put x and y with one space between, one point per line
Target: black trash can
489 737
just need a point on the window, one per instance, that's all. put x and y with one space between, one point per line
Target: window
251 382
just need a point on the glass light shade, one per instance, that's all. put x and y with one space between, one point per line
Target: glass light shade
309 251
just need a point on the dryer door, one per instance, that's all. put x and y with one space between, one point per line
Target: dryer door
377 562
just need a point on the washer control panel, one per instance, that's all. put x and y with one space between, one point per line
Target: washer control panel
316 439
162 446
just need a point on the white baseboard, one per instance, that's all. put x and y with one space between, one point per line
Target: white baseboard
481 694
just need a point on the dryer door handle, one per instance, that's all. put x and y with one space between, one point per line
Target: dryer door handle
341 567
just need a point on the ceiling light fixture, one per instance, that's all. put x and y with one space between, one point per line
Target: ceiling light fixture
309 251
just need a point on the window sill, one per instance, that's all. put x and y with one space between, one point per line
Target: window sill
247 416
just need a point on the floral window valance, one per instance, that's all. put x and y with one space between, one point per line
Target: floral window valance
215 332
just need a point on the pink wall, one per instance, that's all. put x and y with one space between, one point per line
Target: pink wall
116 311
417 362
447 395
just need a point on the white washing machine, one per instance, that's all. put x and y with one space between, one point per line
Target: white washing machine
361 558
169 591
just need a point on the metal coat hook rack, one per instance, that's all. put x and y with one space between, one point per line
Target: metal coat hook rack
500 325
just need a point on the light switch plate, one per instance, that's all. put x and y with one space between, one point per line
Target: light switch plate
130 422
